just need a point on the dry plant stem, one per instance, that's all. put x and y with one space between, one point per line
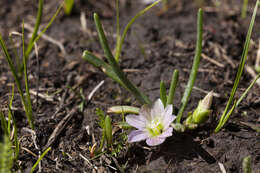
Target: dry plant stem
222 168
204 56
257 62
62 124
253 74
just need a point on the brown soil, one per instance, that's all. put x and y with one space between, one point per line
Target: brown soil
158 43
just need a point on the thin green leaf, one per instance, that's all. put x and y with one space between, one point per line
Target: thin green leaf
40 158
240 70
195 66
16 79
30 46
108 131
4 123
16 141
247 90
131 87
17 59
174 81
163 95
106 68
247 168
118 52
36 28
28 98
6 155
244 9
68 5
118 37
123 109
10 111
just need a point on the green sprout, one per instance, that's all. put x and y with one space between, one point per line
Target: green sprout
244 9
22 69
68 5
6 156
201 113
228 111
195 67
247 165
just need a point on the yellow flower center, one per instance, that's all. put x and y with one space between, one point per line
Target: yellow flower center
155 128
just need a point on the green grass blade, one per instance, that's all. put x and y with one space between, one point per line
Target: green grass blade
6 156
4 123
30 46
106 68
118 37
40 158
12 68
123 110
10 111
108 131
174 81
195 67
244 9
68 5
36 28
17 59
118 52
16 141
134 90
247 168
240 69
10 63
163 95
247 90
28 95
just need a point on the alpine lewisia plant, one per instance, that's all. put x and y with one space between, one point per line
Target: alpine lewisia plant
152 123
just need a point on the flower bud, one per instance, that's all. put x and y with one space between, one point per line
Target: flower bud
202 112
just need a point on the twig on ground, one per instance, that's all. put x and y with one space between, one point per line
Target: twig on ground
206 92
204 56
34 137
222 168
88 162
59 128
83 22
29 151
94 90
43 96
221 52
252 72
257 61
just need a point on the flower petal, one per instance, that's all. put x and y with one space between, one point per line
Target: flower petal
145 111
136 121
166 133
155 140
157 109
137 135
168 117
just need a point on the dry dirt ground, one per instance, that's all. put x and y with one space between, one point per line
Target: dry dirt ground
158 43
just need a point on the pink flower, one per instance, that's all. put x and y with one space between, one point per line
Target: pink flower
153 124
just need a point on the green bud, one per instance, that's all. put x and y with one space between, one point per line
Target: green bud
108 131
202 112
178 127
